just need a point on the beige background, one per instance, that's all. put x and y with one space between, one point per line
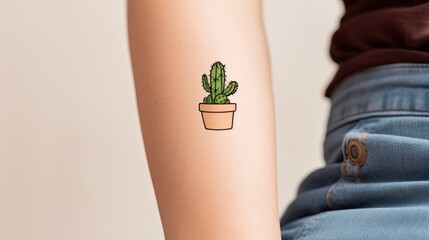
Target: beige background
72 163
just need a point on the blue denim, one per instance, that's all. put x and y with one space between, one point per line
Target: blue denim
375 181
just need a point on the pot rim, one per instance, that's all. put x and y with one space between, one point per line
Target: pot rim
226 107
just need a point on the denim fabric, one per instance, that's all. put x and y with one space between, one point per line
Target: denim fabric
375 182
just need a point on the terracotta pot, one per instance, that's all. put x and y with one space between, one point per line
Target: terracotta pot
218 116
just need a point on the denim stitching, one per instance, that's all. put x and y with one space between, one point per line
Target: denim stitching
397 66
332 204
377 113
378 86
362 138
343 167
328 196
335 199
336 187
338 190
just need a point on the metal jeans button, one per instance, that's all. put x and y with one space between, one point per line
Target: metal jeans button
356 152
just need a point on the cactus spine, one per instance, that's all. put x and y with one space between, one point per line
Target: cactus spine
218 93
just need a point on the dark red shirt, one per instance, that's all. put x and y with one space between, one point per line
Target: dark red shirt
376 32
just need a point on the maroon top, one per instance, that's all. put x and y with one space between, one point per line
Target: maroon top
376 32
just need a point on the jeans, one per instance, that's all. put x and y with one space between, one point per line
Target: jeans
375 180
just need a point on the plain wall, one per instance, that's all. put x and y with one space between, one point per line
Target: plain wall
72 162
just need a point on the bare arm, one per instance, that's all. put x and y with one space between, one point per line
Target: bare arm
211 185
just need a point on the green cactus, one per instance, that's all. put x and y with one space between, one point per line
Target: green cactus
218 93
208 99
220 98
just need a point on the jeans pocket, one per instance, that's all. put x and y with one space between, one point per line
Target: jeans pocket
385 164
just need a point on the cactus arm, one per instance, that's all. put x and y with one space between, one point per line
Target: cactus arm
217 79
221 98
231 89
208 99
205 83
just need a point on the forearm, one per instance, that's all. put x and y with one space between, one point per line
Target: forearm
208 184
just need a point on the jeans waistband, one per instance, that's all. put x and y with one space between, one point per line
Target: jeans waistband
391 89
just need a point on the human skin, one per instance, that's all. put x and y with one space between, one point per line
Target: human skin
211 185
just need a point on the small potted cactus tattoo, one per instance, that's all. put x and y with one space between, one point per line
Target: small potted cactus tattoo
216 110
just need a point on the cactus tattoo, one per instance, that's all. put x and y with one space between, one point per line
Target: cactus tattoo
218 94
216 109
